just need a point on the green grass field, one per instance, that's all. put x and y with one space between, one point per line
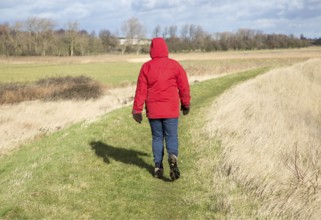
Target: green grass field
109 73
104 170
122 73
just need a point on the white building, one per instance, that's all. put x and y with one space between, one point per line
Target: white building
135 41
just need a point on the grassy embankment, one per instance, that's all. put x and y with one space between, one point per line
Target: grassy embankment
270 133
104 170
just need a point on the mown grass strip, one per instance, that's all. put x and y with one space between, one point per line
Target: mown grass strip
104 170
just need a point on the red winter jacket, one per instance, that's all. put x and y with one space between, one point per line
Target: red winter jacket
162 84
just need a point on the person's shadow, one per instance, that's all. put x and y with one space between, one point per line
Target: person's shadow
126 156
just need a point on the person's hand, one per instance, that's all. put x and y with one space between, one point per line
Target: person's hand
185 110
138 117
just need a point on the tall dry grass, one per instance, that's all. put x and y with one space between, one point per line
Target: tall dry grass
52 88
270 131
18 123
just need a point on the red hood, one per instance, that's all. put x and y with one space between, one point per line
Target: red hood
158 48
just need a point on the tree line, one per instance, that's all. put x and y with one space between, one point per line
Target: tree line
38 37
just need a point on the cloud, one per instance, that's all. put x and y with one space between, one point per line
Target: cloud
213 16
156 5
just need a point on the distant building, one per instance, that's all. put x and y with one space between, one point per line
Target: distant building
135 41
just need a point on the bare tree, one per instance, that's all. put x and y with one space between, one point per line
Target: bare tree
133 31
36 36
192 32
109 41
184 32
157 31
16 38
82 43
40 31
225 40
59 43
32 27
172 31
165 32
46 34
5 39
199 37
71 34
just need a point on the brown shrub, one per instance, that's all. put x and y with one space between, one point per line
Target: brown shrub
53 88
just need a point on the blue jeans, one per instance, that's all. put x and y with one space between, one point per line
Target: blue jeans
164 129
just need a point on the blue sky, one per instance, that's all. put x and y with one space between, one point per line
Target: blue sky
270 16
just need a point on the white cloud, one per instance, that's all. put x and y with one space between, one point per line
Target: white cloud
219 15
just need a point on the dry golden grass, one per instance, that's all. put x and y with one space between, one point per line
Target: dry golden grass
52 88
27 120
270 131
202 66
71 60
302 53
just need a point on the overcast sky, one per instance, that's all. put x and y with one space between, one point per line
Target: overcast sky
270 16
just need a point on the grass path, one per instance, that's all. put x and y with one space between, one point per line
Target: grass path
104 170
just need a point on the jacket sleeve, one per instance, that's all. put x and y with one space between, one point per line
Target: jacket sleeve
141 92
183 87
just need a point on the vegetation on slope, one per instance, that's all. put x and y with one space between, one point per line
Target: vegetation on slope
270 132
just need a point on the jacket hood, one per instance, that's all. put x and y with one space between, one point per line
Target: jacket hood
158 48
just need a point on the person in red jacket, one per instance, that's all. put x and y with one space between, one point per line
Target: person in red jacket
163 87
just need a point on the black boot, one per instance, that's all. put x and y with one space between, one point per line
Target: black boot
174 171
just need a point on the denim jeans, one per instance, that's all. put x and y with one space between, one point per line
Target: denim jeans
165 129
